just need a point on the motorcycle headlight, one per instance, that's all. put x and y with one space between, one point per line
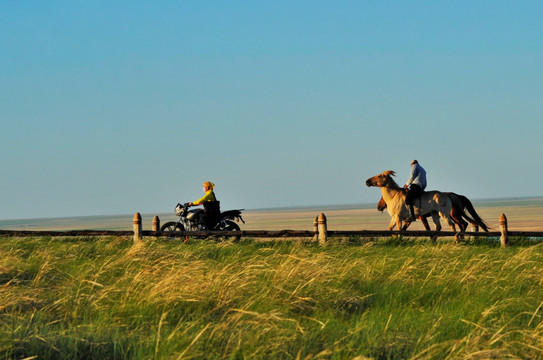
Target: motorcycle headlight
179 210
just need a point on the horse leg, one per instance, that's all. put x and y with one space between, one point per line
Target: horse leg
391 224
435 218
399 223
456 215
450 221
395 221
424 221
457 218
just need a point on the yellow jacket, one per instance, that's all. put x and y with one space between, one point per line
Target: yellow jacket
209 196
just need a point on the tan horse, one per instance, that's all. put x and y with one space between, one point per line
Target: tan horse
433 203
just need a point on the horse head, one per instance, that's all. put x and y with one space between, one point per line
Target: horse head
382 180
381 205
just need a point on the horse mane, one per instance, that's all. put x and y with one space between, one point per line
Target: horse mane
389 174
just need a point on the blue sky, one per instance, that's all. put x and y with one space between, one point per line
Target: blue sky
118 107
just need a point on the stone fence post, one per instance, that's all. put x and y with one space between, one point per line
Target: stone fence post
137 228
156 223
323 236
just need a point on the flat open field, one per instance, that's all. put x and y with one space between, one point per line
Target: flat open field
522 215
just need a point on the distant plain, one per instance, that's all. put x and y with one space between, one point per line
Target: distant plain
523 214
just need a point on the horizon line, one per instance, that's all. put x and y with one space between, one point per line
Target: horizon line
278 208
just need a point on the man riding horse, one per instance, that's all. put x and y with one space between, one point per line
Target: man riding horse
414 186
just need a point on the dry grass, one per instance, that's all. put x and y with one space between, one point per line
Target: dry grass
105 298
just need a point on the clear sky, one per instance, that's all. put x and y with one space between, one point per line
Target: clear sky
115 107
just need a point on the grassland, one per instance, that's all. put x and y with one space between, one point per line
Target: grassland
106 298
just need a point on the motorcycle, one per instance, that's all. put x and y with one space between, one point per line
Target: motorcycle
191 220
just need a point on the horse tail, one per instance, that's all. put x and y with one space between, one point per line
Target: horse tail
477 219
466 216
459 206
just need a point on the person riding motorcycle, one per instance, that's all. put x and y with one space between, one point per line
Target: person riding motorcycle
211 206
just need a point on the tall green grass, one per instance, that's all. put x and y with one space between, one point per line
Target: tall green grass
105 298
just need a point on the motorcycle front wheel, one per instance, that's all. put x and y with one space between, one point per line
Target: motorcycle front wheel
171 227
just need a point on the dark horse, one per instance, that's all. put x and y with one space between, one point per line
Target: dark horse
460 204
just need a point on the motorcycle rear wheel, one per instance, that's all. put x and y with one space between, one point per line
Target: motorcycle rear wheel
232 226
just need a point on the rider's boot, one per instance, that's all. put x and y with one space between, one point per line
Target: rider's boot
413 218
